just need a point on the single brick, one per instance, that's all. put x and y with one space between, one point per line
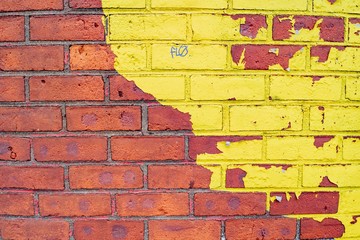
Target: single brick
229 27
108 229
313 175
308 28
350 201
67 88
67 27
353 88
75 205
299 147
12 28
229 204
335 58
148 27
103 118
130 57
270 5
183 229
36 178
351 148
212 57
164 118
266 118
354 30
264 57
335 118
321 203
227 87
327 228
147 148
91 57
105 177
211 4
337 6
14 149
260 228
305 88
152 204
179 176
32 58
30 119
16 204
70 149
26 5
35 229
12 89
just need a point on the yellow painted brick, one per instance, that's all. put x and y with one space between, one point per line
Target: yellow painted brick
123 3
354 30
198 113
129 56
350 200
270 4
265 118
222 27
341 175
349 6
305 88
351 148
148 27
199 57
335 118
339 59
216 4
205 87
299 148
352 231
258 176
353 88
162 87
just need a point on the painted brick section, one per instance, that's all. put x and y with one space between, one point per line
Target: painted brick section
36 178
12 29
105 177
25 5
63 205
152 204
14 149
12 89
16 204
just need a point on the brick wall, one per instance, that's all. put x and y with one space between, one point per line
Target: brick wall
179 119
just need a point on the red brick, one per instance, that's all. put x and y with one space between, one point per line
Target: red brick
67 27
229 204
85 4
331 28
34 229
37 178
327 228
91 57
104 118
105 229
14 149
30 119
147 148
28 5
105 177
16 204
12 89
321 202
126 90
64 205
260 57
70 149
67 88
163 118
184 229
12 28
178 176
261 228
32 58
152 204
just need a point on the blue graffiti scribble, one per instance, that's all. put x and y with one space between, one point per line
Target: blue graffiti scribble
181 51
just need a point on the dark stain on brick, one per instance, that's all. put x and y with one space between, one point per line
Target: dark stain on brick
119 232
332 29
319 141
235 178
234 203
354 219
327 183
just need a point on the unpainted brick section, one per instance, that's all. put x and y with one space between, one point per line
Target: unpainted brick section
12 89
14 149
163 118
12 29
17 204
30 5
91 57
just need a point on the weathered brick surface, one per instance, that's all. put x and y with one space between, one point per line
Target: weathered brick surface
16 204
12 29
